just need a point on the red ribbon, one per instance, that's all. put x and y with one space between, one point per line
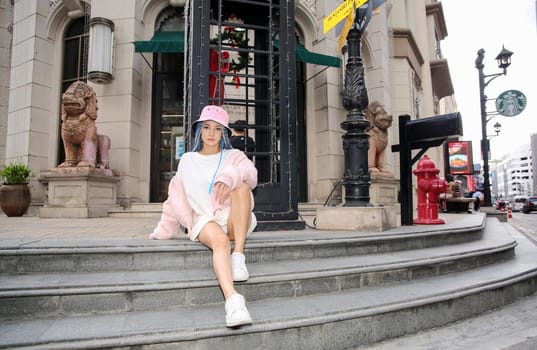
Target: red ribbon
236 79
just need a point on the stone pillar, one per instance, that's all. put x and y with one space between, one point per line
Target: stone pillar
122 115
30 84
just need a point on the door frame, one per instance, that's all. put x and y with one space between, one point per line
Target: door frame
156 128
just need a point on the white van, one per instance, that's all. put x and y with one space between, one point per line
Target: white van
518 202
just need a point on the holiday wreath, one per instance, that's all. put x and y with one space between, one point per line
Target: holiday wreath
235 39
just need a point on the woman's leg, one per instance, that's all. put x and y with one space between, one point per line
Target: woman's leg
214 237
239 221
239 217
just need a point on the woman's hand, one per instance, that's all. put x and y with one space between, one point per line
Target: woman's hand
221 192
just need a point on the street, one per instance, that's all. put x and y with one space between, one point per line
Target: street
526 223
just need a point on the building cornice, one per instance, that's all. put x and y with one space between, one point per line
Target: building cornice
437 11
405 46
441 78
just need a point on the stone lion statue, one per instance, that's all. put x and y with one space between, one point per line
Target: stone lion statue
83 146
378 137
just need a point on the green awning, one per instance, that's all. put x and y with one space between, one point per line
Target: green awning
175 42
162 42
306 56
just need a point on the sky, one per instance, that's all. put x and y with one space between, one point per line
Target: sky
489 24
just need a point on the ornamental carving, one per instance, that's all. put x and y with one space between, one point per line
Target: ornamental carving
378 137
83 146
309 5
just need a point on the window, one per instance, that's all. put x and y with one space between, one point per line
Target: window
75 61
75 56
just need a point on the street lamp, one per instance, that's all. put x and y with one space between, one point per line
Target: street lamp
497 128
355 100
504 60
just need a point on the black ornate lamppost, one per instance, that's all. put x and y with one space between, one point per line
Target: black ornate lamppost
356 139
504 60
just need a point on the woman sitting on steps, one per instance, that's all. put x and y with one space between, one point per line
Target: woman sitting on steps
211 196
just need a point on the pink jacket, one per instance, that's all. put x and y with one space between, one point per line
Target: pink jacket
177 211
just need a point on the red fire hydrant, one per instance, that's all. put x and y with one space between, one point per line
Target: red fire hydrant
429 188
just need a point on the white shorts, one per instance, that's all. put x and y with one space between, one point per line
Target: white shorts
221 219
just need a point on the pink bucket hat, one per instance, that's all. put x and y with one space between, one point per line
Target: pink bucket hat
214 113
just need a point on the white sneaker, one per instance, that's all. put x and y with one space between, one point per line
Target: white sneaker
238 267
236 312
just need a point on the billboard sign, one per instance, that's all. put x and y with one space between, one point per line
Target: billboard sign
460 159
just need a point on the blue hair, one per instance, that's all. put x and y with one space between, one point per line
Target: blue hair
224 144
198 144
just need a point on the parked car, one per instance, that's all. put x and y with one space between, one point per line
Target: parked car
530 205
518 203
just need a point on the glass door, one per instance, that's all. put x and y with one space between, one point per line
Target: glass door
167 132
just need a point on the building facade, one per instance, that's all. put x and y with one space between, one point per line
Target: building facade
145 103
533 148
515 173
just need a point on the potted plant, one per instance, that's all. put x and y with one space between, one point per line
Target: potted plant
14 192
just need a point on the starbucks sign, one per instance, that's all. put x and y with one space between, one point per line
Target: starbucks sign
511 103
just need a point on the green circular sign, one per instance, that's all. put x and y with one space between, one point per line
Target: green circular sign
511 103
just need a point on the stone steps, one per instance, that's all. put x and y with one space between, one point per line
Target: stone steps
262 247
306 210
53 294
326 321
154 210
510 327
307 290
146 210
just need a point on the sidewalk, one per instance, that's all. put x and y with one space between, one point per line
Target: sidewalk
35 228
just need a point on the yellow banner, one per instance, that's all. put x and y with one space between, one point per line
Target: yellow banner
346 28
340 13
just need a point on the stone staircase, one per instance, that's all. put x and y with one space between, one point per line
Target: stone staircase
307 212
307 290
148 210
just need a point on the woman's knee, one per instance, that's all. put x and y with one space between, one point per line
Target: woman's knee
242 191
213 236
221 241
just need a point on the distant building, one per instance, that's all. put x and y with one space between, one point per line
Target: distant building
533 145
514 173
